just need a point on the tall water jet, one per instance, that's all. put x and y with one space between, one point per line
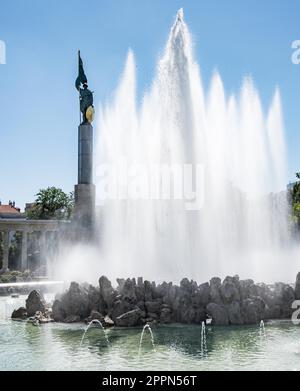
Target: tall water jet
241 226
203 341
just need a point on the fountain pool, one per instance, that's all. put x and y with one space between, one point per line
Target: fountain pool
57 347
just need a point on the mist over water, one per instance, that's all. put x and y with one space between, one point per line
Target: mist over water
241 227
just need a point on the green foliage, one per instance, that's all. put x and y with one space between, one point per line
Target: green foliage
52 203
295 202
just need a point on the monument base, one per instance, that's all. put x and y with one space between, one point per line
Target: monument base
84 214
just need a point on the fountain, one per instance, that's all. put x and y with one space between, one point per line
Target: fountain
92 322
262 331
203 341
146 327
242 154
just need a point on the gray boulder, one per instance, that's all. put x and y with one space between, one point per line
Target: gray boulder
128 291
95 315
153 306
230 290
215 286
34 303
76 301
120 307
129 319
58 312
218 314
72 319
107 294
203 294
166 315
250 312
94 298
234 313
147 291
20 313
108 322
246 286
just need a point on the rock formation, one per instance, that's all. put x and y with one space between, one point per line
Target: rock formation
133 303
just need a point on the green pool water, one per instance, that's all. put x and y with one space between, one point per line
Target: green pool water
57 346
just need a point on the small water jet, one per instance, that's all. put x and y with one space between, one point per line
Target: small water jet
146 327
262 331
203 341
95 321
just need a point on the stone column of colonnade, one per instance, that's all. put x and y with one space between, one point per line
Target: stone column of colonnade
26 230
5 259
24 255
5 236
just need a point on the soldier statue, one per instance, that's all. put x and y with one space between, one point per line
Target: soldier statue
85 95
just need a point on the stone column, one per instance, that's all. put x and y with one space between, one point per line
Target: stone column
84 214
43 242
5 251
24 260
43 249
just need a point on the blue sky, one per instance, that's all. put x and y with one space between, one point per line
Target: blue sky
38 102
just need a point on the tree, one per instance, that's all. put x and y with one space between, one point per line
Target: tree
52 204
294 196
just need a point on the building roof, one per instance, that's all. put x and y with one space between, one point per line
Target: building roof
9 209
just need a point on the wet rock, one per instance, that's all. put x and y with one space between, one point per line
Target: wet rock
120 307
202 295
284 297
76 301
20 313
58 312
72 319
129 319
34 303
147 291
218 314
234 313
121 282
215 286
246 286
95 315
93 298
128 291
108 322
153 306
272 312
107 294
141 305
250 311
168 293
166 315
230 290
140 290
